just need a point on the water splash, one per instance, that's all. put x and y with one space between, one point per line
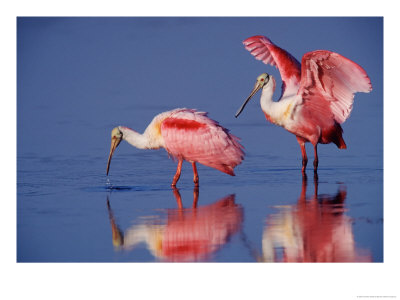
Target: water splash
109 184
111 187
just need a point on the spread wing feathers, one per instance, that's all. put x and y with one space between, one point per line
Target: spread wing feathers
191 135
329 81
263 49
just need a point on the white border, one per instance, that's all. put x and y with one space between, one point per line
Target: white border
197 281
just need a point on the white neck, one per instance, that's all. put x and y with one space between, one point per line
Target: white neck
278 112
140 141
267 92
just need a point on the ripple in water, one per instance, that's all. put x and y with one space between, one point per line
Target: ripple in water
111 187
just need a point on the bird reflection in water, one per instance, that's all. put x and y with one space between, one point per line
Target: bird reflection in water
316 229
187 234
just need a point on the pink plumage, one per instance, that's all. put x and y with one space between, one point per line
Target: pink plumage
332 79
317 96
186 134
192 136
194 234
263 49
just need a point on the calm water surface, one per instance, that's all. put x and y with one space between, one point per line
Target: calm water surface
69 211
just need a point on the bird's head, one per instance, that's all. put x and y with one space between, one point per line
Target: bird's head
116 137
262 80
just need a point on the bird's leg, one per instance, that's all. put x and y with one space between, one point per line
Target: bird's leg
195 196
302 198
315 185
195 175
178 173
315 159
303 155
177 197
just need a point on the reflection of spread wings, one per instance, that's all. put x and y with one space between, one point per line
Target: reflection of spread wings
315 230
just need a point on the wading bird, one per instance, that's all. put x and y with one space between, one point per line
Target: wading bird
317 96
186 134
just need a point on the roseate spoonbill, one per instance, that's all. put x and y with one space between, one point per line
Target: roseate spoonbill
316 96
186 134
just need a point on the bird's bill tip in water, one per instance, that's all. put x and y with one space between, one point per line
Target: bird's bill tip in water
114 144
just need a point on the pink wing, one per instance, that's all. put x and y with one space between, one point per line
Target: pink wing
193 136
263 49
328 84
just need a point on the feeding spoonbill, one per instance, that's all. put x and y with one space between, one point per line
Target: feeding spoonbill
186 134
317 96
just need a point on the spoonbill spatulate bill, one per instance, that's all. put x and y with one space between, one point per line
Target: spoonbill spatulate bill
186 134
317 96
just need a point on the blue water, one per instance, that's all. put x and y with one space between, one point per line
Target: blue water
66 208
79 78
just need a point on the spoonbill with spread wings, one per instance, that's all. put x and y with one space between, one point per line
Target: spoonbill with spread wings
317 96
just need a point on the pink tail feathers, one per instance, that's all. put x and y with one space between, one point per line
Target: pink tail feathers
232 156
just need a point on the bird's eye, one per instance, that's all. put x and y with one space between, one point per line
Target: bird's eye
262 79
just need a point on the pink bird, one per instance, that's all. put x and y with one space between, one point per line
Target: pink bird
186 134
315 229
316 96
186 234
